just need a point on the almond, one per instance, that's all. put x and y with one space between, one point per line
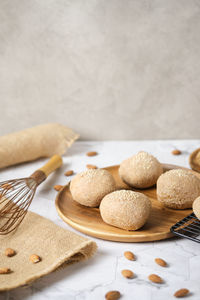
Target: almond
127 274
58 187
160 262
69 173
6 186
112 295
10 252
181 293
129 255
176 152
5 270
155 278
34 258
91 166
91 153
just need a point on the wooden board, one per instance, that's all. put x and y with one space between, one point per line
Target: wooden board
88 220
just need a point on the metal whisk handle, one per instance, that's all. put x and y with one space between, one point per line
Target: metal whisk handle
41 174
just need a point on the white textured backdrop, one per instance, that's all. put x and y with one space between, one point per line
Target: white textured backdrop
117 69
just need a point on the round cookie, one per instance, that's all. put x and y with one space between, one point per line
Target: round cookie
125 209
178 188
89 187
196 207
141 170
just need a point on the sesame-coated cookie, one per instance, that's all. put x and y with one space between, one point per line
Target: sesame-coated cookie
89 187
178 188
141 170
125 209
196 207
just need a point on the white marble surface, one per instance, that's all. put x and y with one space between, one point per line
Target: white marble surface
92 279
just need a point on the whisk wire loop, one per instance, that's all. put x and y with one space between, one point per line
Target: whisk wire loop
15 199
16 195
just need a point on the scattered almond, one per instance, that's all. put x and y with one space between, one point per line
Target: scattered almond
34 258
5 270
112 295
69 173
91 153
181 293
127 274
155 278
129 255
10 252
160 262
91 166
58 187
176 152
6 186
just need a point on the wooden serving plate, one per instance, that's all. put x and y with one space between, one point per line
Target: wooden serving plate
89 221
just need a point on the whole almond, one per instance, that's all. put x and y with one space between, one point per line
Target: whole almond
91 166
160 262
176 152
127 274
34 258
5 270
129 255
112 295
69 173
155 278
10 252
181 293
91 153
58 187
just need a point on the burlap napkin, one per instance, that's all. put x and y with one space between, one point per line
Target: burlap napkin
32 143
37 235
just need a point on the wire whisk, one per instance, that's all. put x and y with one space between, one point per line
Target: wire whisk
16 195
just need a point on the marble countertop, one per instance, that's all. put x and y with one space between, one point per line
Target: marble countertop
93 278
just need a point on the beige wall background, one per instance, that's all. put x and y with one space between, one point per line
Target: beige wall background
110 69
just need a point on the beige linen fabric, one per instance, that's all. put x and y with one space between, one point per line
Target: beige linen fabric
40 141
37 235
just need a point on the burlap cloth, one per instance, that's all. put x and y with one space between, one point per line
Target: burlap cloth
32 143
37 235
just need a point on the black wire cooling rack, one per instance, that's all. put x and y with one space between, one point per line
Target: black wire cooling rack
189 228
